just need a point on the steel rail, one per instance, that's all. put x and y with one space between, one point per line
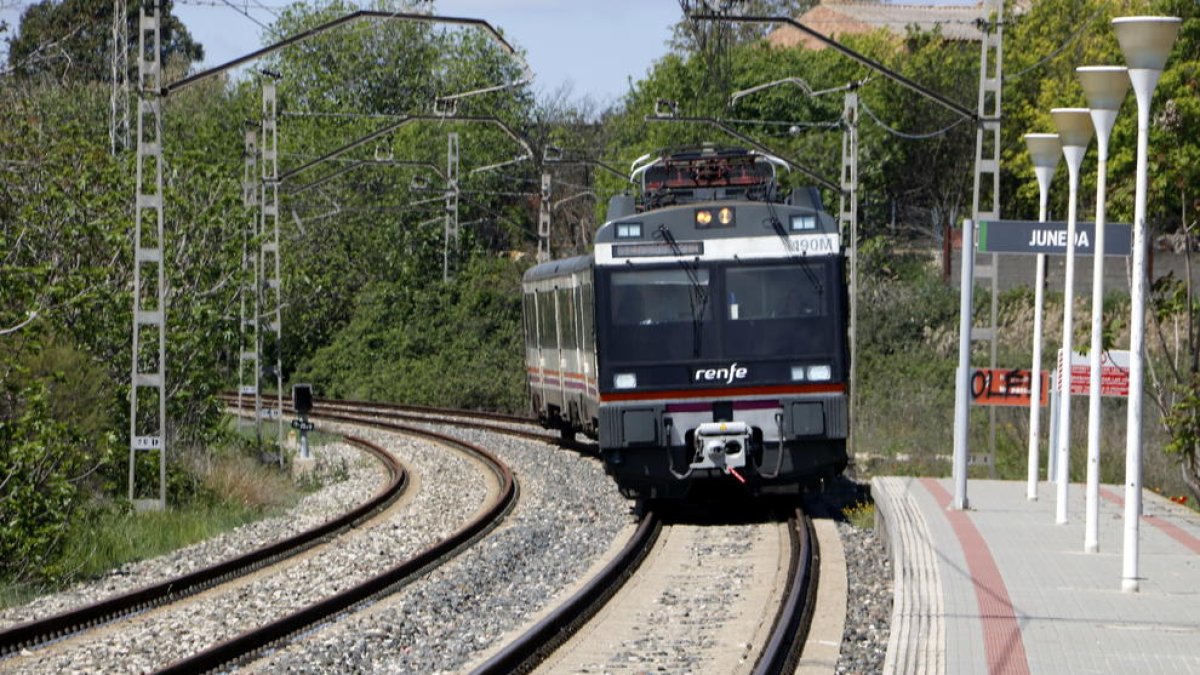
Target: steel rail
782 651
251 642
530 649
41 631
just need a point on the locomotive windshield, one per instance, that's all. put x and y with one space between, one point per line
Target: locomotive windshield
648 297
755 310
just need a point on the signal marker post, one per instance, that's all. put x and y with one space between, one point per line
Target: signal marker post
302 403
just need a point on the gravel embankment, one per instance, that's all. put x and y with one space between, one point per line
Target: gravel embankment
348 475
869 601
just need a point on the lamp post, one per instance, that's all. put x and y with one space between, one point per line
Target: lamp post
1146 42
1105 88
1075 132
1045 150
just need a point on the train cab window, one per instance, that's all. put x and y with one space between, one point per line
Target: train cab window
777 292
648 297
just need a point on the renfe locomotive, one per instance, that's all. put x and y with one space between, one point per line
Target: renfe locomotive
704 339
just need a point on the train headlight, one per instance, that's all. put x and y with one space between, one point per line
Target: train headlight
797 373
820 373
625 380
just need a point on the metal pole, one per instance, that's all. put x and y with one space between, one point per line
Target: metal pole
270 249
1046 151
543 252
451 220
1144 81
1073 152
1103 120
987 142
149 146
848 214
962 391
1035 402
246 356
1146 42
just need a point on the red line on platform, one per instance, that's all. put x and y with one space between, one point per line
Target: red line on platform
1001 632
1170 529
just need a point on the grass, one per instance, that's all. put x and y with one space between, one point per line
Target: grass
235 490
860 515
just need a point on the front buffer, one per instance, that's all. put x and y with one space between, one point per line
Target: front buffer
766 446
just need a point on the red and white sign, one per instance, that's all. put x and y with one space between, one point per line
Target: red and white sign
1114 373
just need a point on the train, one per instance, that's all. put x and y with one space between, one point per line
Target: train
703 342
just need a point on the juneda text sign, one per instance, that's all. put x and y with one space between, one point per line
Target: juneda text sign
1026 236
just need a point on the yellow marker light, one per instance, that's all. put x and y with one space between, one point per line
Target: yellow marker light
703 217
725 216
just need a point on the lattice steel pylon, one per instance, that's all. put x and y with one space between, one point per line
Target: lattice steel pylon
270 288
987 162
118 127
451 202
848 224
248 326
543 252
148 424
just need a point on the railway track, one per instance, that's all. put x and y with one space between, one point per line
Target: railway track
39 632
779 649
250 643
74 622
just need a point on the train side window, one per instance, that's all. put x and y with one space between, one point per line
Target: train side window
547 337
566 317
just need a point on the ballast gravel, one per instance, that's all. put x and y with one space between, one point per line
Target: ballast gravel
154 640
568 515
348 477
869 601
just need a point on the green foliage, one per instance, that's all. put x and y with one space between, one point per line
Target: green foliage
71 40
53 437
423 342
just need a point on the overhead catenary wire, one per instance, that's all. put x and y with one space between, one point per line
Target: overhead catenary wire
1056 52
907 135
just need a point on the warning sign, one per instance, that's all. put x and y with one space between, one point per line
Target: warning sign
997 386
1114 373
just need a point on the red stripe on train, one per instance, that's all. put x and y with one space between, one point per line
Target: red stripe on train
723 393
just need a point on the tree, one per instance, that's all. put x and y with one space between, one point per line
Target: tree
71 40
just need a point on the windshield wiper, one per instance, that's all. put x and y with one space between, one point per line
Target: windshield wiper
777 224
699 292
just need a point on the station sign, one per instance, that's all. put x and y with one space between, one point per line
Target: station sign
1030 237
1114 373
999 386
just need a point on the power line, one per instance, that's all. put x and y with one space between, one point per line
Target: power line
1054 54
901 134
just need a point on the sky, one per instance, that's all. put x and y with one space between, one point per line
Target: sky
594 47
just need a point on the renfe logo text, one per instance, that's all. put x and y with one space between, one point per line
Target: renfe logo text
726 375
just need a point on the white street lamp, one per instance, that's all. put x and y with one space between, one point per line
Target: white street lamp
1075 132
1105 88
1045 150
1146 42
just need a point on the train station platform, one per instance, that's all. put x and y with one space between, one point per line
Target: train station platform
1000 588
